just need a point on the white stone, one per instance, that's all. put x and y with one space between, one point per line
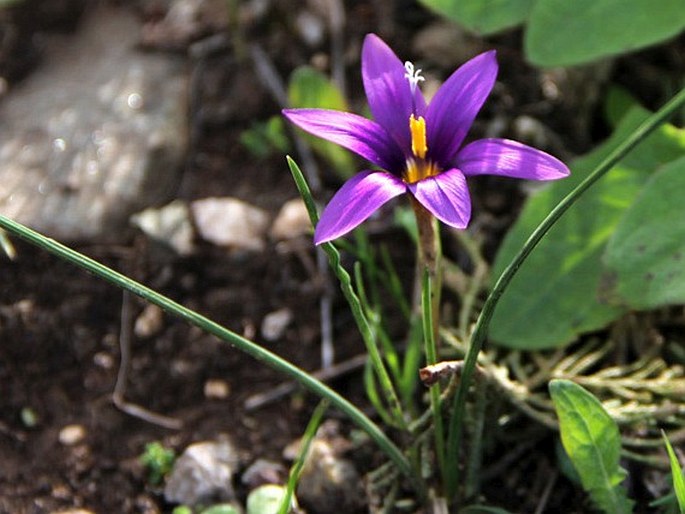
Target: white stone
275 323
72 434
230 222
169 225
217 389
203 474
291 221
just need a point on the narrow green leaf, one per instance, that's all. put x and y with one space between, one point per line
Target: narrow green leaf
592 441
309 88
557 293
565 33
645 257
483 16
676 473
298 465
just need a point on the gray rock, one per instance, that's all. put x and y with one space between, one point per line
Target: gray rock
203 474
264 471
169 225
94 135
329 483
230 222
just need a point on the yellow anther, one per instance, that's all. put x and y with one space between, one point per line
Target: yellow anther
417 127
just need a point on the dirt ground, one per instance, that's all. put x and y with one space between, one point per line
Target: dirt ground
60 328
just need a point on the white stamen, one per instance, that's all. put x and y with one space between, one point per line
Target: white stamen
413 75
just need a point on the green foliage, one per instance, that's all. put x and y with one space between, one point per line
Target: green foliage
297 467
560 291
222 508
564 33
483 16
158 461
309 88
592 441
645 257
264 138
677 474
265 499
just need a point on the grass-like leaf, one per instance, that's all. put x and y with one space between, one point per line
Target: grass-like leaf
677 473
592 440
298 465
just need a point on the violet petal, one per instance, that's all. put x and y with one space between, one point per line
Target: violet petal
356 133
454 107
355 201
446 196
388 90
509 159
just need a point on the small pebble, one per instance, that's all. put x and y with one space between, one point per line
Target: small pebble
217 389
262 472
169 225
203 474
291 221
72 434
275 323
149 322
230 222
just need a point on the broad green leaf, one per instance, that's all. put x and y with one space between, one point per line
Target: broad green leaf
557 293
645 257
565 32
309 88
676 473
592 441
483 16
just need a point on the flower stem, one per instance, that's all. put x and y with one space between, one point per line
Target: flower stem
481 328
254 350
429 251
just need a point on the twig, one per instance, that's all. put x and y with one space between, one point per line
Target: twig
259 400
120 386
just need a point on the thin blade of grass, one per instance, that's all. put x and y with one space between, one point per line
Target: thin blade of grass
298 465
245 345
365 328
677 473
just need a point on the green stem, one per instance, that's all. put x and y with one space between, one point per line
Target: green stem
365 328
483 322
244 345
432 358
429 268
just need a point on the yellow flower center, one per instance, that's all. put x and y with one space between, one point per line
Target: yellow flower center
418 167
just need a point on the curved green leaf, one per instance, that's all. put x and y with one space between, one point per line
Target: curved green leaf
676 473
565 33
592 441
483 16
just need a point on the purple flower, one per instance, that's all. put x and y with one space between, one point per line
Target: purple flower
417 146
